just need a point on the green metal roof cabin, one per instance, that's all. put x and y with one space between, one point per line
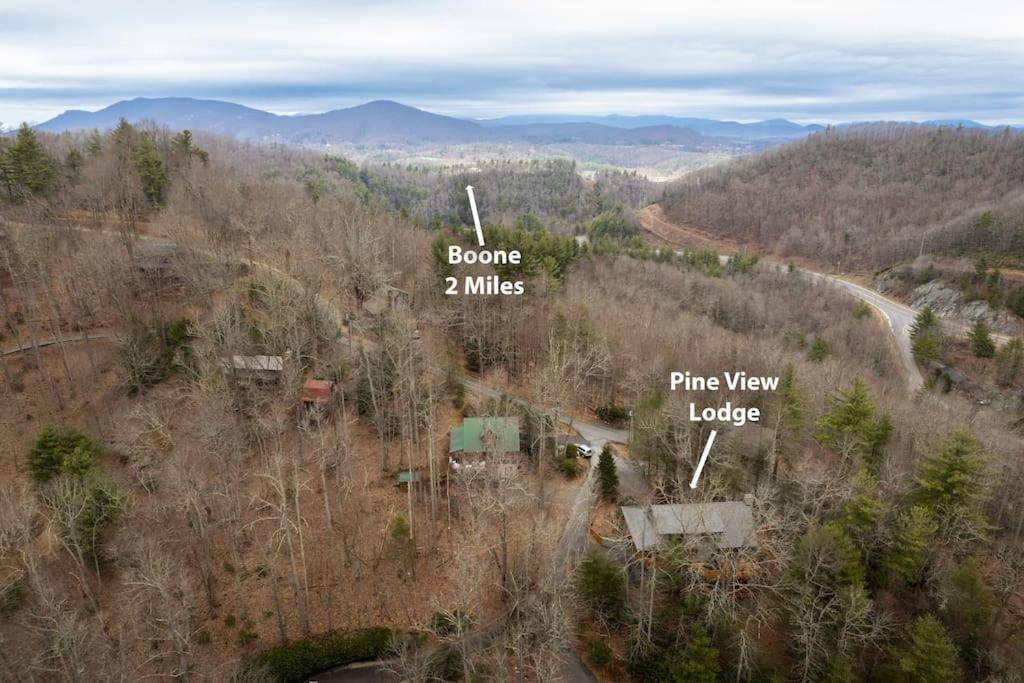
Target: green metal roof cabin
486 435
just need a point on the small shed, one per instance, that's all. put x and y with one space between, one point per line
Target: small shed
407 477
316 391
259 369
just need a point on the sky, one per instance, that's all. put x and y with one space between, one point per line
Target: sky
822 61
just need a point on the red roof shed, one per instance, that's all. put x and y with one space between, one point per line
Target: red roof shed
316 391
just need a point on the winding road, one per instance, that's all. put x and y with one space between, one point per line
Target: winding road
899 317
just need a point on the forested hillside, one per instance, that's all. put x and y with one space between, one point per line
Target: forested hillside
175 505
869 195
549 193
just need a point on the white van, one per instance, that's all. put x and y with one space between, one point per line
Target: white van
584 451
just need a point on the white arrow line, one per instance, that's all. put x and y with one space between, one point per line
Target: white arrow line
476 216
703 459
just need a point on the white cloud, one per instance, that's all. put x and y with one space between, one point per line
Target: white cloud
745 59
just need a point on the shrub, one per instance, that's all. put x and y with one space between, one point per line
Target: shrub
1015 301
567 465
612 413
12 590
1009 360
83 509
819 349
445 624
458 395
61 450
705 261
861 309
403 546
616 225
148 358
599 654
743 263
301 658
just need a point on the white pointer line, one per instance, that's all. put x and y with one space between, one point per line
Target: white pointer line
476 216
703 459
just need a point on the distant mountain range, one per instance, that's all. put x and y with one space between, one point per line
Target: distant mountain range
772 129
383 122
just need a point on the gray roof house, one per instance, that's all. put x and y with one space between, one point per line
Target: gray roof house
729 525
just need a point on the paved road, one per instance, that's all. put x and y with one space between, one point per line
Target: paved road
899 316
370 672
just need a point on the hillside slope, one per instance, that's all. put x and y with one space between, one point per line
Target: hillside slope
867 196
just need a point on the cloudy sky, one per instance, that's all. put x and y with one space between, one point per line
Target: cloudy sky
827 60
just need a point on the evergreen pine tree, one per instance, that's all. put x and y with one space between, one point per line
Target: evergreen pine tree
981 340
950 476
699 662
73 165
25 166
792 401
970 601
925 321
950 483
926 338
928 655
925 348
151 171
863 511
914 531
601 587
851 427
94 144
60 450
608 478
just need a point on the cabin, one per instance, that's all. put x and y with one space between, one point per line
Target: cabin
712 527
316 392
483 440
254 369
316 397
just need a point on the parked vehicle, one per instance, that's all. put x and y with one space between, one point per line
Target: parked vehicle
584 451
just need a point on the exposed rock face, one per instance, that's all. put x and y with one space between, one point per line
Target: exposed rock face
949 303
